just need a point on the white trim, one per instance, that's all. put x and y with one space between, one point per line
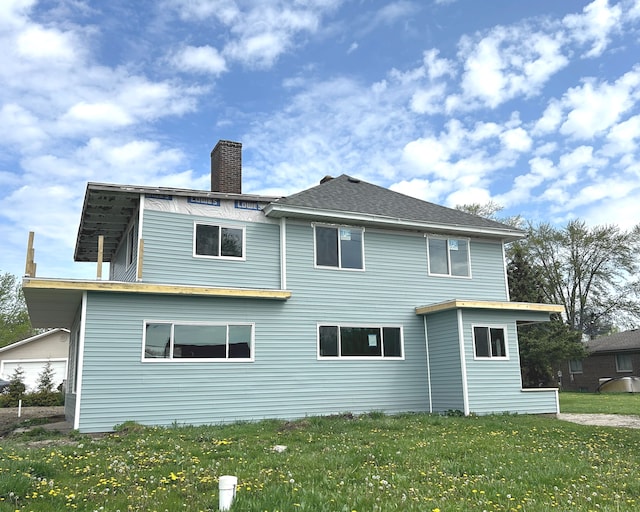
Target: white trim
446 238
463 364
506 274
80 361
141 204
340 357
283 253
339 267
505 357
171 359
279 210
220 227
426 340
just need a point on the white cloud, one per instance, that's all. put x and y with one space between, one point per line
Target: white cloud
550 120
20 127
516 139
428 100
437 67
623 137
594 25
101 113
37 42
199 59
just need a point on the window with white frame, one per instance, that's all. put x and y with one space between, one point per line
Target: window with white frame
448 257
623 363
216 241
489 342
183 341
344 341
575 366
339 247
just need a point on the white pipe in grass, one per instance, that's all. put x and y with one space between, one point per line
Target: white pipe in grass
227 487
19 407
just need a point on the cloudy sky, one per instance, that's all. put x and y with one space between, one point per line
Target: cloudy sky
532 104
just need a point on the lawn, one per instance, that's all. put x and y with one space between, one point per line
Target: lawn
368 463
605 403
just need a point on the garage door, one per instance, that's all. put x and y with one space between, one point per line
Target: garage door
32 370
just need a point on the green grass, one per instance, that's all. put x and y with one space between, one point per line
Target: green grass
604 403
368 463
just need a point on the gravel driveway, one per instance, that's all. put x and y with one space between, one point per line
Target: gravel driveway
603 420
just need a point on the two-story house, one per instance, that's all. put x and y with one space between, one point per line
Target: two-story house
224 306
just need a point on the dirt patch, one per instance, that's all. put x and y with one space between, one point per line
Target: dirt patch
603 420
9 419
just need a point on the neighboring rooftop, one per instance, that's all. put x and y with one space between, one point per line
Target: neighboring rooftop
618 342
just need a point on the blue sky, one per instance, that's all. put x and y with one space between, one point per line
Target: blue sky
532 104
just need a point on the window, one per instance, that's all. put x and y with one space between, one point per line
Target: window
339 247
131 245
575 366
173 341
219 241
489 342
448 257
623 363
349 341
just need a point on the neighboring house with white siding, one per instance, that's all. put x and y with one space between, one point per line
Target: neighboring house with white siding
32 355
223 306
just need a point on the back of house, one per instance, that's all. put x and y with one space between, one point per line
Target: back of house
223 306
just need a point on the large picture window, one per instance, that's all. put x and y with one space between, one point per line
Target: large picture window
339 247
449 257
218 241
350 341
489 342
174 341
575 366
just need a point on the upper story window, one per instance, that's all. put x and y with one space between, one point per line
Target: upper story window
624 363
174 341
217 241
449 257
489 342
339 247
352 341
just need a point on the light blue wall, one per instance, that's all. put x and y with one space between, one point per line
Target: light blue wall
168 253
286 379
444 362
118 268
495 385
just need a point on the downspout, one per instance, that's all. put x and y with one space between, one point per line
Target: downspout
463 364
283 253
80 361
426 340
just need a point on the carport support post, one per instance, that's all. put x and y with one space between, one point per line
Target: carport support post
100 255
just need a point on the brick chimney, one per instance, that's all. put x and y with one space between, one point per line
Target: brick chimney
226 167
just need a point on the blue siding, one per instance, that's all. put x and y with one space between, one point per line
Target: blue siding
495 385
444 362
168 254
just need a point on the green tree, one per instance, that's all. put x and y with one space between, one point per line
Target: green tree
593 272
45 379
16 388
14 318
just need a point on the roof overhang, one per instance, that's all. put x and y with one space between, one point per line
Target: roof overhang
55 302
277 210
484 304
108 210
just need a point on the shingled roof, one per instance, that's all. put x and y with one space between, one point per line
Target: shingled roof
346 198
618 342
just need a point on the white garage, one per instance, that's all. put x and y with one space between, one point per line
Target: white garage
33 354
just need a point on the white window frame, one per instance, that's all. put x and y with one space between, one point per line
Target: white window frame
172 359
338 227
490 357
447 239
575 371
619 367
220 227
359 358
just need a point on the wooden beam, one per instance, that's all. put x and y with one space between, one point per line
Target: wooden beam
100 256
140 259
487 304
148 288
29 267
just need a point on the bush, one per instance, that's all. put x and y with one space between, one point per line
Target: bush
43 399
